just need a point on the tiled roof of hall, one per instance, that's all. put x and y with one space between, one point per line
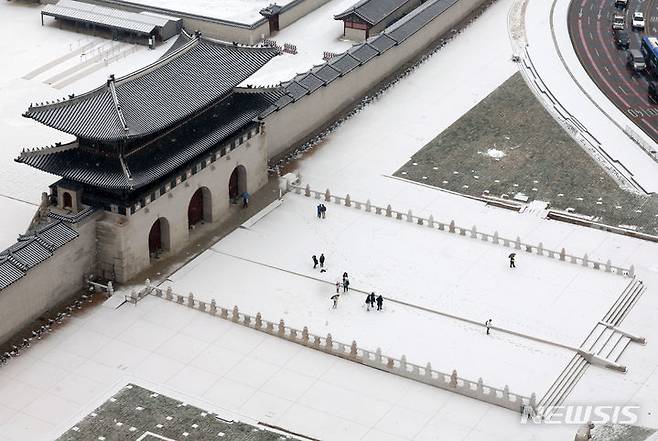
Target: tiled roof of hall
197 73
372 11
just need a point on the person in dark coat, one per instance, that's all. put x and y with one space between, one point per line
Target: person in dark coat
380 302
346 285
335 299
319 210
323 211
344 276
511 260
337 286
245 199
372 300
322 260
488 325
368 302
315 261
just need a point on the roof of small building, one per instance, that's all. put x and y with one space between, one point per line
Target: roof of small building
32 249
195 75
372 11
113 18
160 155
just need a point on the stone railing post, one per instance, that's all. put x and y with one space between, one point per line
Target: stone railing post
453 378
110 289
223 313
305 337
517 243
474 232
451 227
563 255
389 210
410 216
378 356
329 343
608 266
169 295
282 328
585 260
631 271
348 201
495 237
353 349
213 307
540 249
327 196
190 300
403 363
428 370
430 221
236 314
259 321
368 206
307 191
480 386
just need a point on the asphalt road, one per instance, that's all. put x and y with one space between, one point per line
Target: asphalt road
590 29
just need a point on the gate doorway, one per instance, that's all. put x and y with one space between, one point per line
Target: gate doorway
237 183
158 237
199 209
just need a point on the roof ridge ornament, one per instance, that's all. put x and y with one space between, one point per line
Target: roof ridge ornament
113 91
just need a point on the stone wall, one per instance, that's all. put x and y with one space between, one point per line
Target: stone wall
315 110
123 248
49 283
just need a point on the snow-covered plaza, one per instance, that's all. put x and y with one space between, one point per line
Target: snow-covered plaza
439 287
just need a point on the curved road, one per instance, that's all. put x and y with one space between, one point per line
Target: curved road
590 29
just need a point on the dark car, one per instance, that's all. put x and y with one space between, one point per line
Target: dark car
635 60
653 91
621 3
622 40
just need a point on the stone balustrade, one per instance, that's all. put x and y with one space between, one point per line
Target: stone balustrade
352 352
470 232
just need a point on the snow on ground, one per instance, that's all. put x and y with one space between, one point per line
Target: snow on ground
241 11
411 263
547 60
237 372
313 34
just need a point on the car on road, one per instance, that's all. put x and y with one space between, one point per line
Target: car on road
653 91
618 22
621 3
622 41
638 20
636 60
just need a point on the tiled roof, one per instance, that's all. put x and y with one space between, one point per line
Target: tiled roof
162 155
31 250
188 79
372 11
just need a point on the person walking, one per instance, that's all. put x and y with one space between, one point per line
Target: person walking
319 210
323 211
511 260
372 300
315 261
245 200
380 302
335 299
488 325
344 276
368 302
322 260
346 285
337 286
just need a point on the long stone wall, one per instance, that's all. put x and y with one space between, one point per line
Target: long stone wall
50 282
314 110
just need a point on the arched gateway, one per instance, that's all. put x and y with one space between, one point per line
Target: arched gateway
199 208
237 183
159 237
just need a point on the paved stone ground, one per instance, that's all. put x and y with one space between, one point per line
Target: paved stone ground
509 144
138 414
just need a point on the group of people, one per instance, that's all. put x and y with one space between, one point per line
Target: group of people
322 211
319 261
371 299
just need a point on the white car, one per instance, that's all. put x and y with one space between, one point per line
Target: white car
638 20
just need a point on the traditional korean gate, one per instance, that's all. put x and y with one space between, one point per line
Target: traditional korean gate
155 238
195 209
